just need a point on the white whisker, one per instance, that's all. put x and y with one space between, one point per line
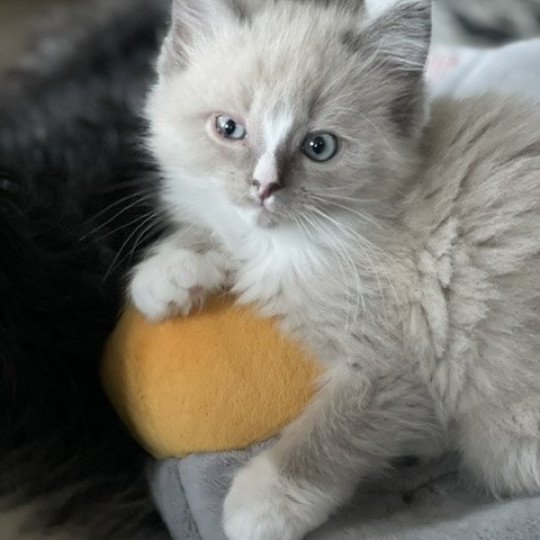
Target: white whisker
139 198
147 225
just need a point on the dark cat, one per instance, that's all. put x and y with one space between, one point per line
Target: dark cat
72 212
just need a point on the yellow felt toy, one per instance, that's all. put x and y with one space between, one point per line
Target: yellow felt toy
221 379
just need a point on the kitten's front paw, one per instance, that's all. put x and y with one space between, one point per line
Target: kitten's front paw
174 282
262 505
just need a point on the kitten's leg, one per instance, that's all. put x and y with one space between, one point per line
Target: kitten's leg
176 276
353 429
501 447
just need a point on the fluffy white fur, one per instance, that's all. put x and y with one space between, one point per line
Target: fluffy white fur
409 263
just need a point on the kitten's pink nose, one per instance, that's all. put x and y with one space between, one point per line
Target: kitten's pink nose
266 189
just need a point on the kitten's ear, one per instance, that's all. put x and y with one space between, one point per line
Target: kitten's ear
193 22
403 34
397 42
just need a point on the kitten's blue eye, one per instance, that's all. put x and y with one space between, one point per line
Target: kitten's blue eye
230 128
320 146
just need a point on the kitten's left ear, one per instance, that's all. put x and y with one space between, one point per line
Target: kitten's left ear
402 34
193 22
397 42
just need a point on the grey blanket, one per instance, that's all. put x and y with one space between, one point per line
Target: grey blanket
422 502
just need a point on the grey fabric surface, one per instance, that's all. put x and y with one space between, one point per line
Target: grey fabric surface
189 492
171 500
419 503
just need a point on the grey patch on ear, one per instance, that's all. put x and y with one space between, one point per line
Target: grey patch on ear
403 34
399 40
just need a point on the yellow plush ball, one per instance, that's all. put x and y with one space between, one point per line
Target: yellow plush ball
220 379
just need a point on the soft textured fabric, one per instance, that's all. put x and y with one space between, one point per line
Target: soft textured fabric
420 503
220 379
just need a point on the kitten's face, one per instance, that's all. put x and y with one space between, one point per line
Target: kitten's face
290 113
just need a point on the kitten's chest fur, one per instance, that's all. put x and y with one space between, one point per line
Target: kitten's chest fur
296 285
323 297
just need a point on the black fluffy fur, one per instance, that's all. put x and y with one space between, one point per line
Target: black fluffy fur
72 221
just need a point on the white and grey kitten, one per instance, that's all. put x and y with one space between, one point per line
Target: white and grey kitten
303 172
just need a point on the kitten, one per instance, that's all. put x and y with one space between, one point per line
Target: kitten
303 172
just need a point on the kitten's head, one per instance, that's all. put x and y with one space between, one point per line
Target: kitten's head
288 110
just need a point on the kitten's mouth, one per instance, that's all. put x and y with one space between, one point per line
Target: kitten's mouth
266 205
261 213
265 216
266 219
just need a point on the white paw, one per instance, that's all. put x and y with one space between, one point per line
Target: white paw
262 505
174 282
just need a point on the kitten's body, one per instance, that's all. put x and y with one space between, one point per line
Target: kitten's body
410 265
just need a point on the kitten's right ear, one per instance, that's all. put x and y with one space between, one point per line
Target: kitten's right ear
193 22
